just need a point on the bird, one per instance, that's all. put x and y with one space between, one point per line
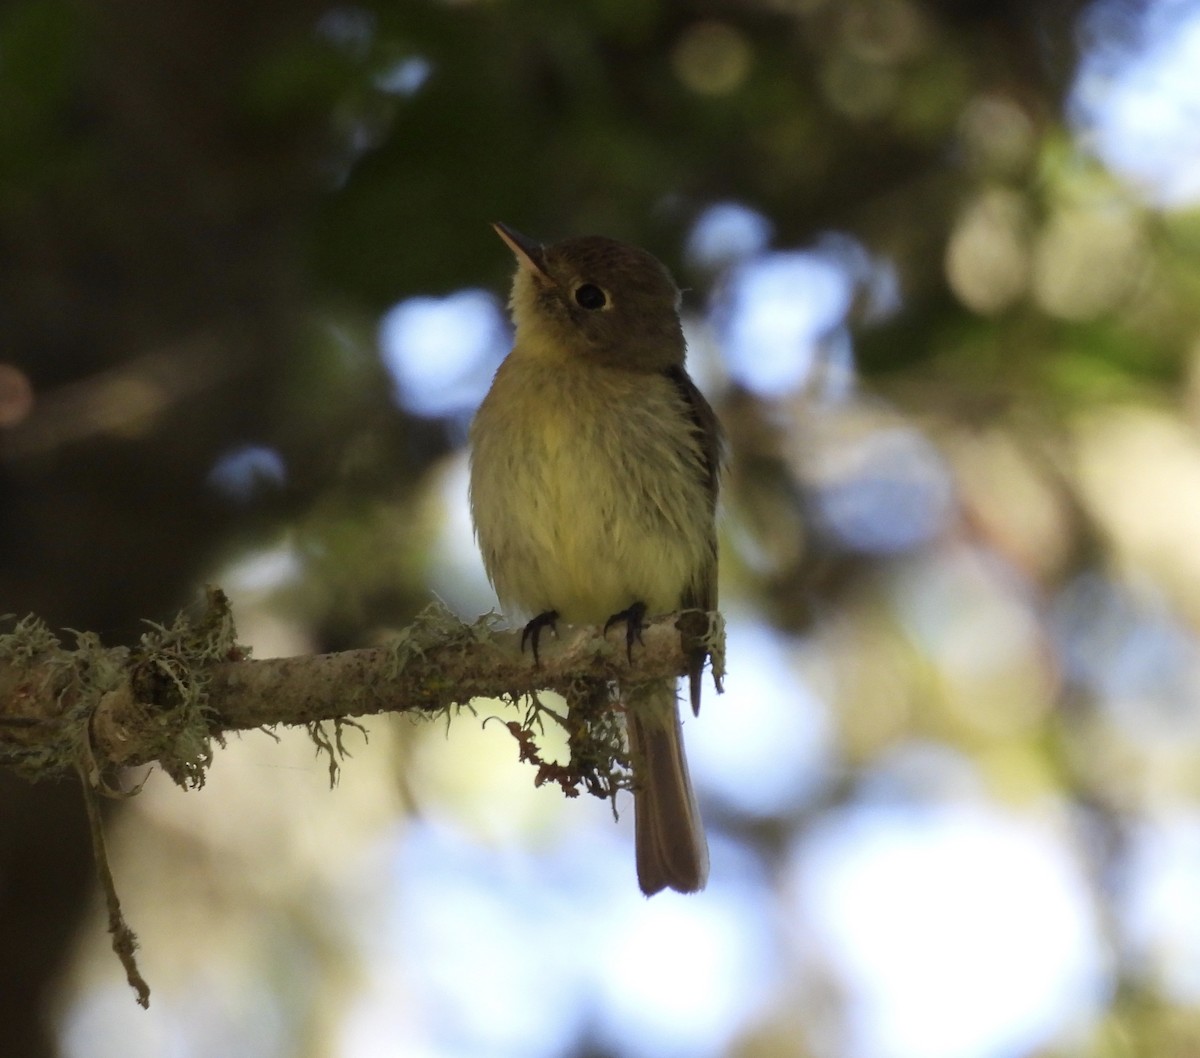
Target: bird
594 473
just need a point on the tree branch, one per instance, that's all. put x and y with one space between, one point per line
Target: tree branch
186 684
96 709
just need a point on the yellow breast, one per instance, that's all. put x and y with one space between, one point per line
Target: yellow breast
584 490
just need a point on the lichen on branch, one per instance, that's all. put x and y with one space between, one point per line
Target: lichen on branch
185 684
93 709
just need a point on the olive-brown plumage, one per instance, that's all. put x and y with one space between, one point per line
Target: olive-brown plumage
594 467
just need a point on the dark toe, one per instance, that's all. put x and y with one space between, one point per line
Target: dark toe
532 632
634 619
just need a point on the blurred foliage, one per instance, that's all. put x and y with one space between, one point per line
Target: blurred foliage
205 207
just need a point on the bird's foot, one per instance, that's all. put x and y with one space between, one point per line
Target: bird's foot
532 632
634 619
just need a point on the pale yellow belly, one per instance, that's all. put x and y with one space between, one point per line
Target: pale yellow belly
584 513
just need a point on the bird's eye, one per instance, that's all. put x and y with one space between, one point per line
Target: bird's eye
590 296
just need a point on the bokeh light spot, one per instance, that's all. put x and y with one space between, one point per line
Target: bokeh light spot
440 352
712 58
778 310
929 914
16 395
727 232
988 255
1135 98
248 471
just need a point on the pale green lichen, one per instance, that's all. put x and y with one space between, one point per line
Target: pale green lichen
28 640
333 747
79 678
436 625
169 672
408 645
714 643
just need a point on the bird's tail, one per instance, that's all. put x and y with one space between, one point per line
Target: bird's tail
671 849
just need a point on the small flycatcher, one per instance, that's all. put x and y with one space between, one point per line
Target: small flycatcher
594 475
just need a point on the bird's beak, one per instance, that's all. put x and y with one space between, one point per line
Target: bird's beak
529 254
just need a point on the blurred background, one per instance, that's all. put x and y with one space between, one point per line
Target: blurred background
942 271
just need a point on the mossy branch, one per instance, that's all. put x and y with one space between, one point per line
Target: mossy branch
186 684
95 709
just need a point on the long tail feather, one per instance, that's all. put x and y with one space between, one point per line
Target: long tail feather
671 848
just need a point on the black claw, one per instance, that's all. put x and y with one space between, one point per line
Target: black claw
532 632
634 623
